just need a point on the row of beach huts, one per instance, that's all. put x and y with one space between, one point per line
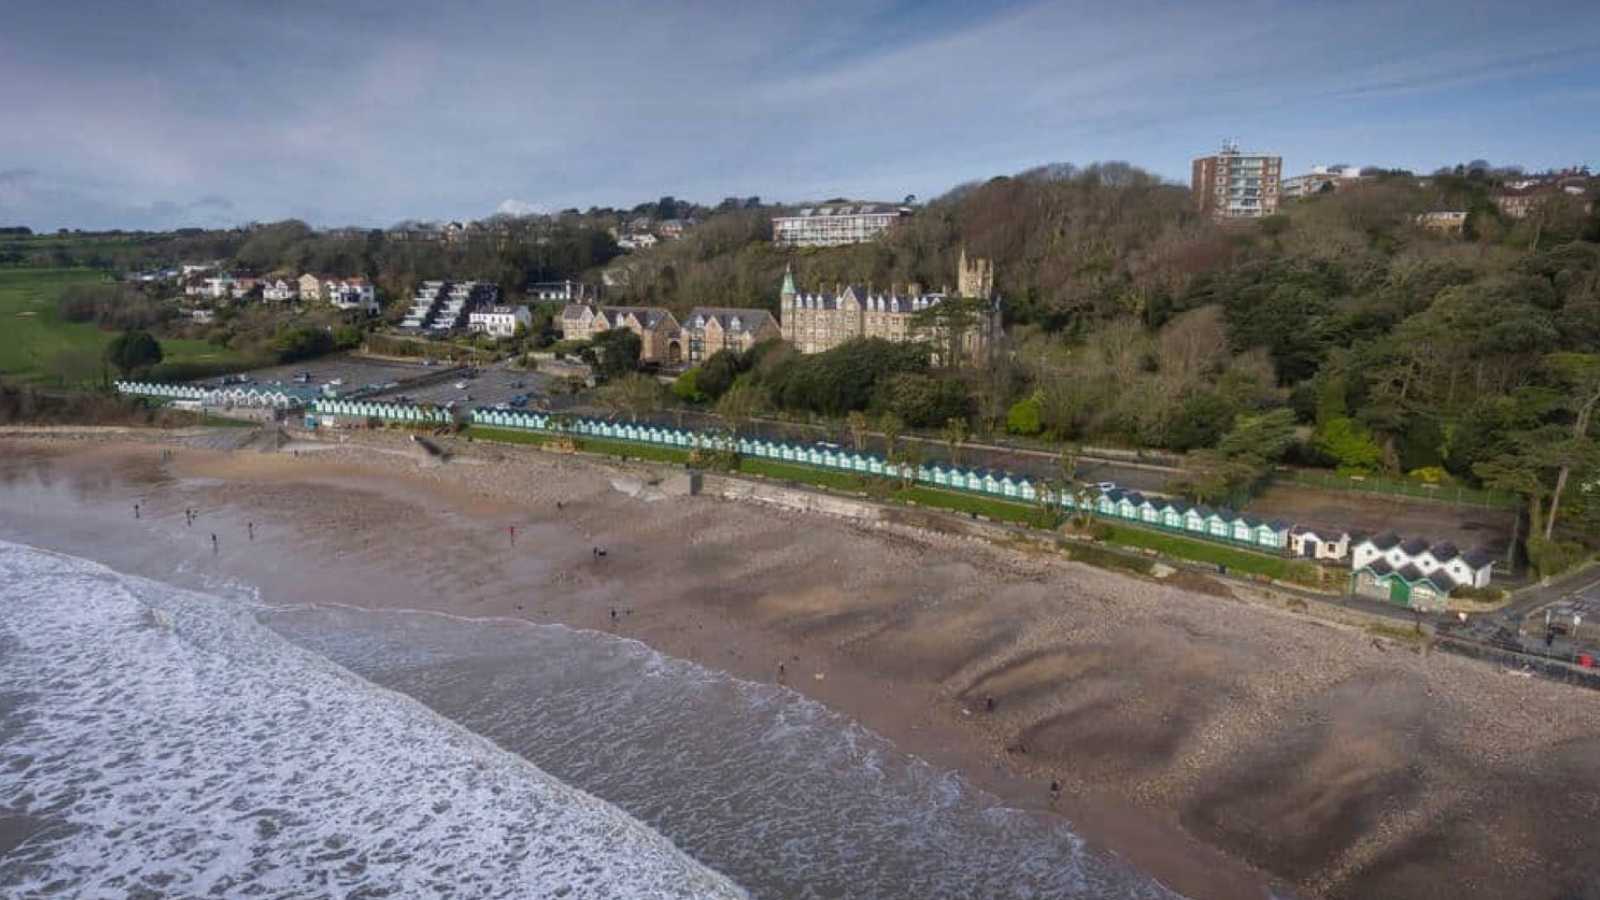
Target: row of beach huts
1415 573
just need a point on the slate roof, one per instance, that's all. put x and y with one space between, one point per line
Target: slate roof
749 319
1478 558
1386 540
1414 547
1444 551
573 311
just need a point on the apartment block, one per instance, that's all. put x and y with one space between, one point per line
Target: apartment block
1237 185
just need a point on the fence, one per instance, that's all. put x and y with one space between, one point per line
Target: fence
1376 485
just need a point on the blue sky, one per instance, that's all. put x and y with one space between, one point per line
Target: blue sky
159 113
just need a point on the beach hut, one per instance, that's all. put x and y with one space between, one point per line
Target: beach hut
1128 506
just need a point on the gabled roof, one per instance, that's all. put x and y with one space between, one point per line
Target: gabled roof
748 319
574 311
1379 567
1386 540
1414 547
1444 551
1478 557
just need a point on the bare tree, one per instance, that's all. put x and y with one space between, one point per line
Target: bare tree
955 434
858 429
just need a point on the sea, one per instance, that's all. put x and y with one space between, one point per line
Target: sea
157 741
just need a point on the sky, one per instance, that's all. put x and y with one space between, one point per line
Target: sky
163 113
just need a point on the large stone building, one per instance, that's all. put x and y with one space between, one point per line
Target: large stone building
662 339
833 226
1235 185
709 329
660 336
815 322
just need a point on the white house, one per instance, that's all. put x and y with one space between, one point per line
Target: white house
499 321
641 241
351 293
203 316
1415 573
280 289
1316 543
218 287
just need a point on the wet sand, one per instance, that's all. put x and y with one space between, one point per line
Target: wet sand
1208 741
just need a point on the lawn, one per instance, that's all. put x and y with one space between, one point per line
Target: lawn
35 336
586 445
1238 560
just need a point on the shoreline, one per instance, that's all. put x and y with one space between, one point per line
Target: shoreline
908 650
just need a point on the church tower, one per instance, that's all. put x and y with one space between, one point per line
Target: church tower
788 326
975 279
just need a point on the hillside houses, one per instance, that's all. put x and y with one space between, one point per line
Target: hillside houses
350 294
280 290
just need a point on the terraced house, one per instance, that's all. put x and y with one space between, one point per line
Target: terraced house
660 336
710 329
1414 572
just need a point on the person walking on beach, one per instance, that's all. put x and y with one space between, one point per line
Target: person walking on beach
213 542
136 511
250 528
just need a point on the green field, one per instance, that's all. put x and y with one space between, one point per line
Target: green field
36 340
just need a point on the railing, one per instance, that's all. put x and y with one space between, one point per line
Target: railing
1373 484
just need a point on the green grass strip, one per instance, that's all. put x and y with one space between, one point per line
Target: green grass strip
1238 560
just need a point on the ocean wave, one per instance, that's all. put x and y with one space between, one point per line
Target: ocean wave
171 745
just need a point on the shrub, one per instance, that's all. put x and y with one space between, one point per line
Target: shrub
687 387
1026 416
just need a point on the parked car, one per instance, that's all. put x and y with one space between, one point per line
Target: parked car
519 400
1106 485
461 385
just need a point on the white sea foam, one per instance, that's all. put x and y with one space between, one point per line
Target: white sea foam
197 753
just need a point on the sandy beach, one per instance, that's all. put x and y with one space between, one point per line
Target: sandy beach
1215 744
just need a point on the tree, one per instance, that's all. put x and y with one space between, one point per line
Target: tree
633 394
858 429
615 352
1348 444
687 387
892 427
1579 373
133 351
739 405
954 434
1026 416
1068 462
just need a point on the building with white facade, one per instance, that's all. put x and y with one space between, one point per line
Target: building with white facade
351 294
1414 572
1237 185
499 321
218 287
568 291
280 290
833 226
1321 178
